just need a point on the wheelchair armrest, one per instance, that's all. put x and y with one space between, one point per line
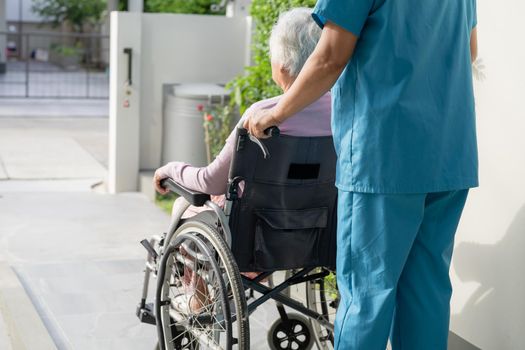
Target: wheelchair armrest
194 198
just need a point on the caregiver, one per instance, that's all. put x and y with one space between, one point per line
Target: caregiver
404 130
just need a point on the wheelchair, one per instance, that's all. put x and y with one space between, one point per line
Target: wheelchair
279 215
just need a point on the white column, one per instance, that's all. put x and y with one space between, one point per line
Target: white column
124 102
3 37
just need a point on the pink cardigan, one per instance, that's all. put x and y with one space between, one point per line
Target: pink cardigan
313 121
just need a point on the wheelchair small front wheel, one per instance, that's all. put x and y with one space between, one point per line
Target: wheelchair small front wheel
295 333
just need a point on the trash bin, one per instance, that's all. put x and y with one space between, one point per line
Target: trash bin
183 131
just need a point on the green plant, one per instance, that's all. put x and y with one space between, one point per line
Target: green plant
78 13
331 286
257 84
67 50
165 201
218 123
202 7
122 5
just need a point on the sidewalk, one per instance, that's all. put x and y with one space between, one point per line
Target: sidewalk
78 256
46 108
20 324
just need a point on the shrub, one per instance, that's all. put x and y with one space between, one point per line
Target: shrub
218 123
78 13
257 84
202 7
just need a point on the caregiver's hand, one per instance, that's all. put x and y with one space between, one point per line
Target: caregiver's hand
259 120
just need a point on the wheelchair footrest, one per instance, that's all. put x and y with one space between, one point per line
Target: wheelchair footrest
145 313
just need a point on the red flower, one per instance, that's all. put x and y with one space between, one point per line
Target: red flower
209 117
200 108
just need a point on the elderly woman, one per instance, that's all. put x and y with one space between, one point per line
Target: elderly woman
293 39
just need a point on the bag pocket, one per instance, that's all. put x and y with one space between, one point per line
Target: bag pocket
288 239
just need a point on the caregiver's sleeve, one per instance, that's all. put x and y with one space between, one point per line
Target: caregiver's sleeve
473 13
348 14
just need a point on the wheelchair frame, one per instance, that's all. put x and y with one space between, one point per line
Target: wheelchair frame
151 313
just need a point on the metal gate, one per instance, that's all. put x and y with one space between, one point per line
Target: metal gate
55 65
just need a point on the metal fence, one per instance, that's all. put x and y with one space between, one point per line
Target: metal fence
55 65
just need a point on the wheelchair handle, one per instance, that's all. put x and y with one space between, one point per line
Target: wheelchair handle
272 131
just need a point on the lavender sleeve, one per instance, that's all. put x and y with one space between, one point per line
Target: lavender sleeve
211 179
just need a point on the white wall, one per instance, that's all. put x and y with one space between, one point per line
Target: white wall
488 272
168 48
184 49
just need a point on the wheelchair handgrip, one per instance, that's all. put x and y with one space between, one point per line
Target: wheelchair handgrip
197 199
272 131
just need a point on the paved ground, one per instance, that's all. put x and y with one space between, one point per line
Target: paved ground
50 108
53 148
78 255
76 250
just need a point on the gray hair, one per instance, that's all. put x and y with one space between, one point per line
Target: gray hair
293 39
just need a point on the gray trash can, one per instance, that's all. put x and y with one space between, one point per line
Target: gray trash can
183 131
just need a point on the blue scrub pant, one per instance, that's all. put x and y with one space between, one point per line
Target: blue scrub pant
393 259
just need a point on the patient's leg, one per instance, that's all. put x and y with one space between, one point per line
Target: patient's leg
194 285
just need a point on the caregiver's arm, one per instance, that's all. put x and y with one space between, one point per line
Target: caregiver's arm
474 44
318 75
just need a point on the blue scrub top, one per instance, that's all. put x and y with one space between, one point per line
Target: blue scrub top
403 109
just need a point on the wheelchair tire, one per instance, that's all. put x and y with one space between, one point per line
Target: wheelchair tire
297 335
322 297
227 295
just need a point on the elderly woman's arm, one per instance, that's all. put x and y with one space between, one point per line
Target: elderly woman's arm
318 75
211 179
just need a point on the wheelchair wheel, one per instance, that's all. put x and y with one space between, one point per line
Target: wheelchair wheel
295 334
200 296
322 296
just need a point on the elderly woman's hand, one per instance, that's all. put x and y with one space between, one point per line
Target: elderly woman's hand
259 120
159 175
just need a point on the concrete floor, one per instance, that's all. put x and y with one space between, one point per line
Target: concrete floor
78 255
74 250
52 147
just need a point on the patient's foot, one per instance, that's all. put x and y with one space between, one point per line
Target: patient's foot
253 275
197 295
199 299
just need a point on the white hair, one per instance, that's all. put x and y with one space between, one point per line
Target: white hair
293 39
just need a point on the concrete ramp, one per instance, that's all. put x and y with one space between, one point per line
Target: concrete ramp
20 325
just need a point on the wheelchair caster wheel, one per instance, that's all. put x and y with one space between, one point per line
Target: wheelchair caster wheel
295 334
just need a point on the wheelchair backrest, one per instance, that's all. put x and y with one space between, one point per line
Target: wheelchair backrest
286 215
